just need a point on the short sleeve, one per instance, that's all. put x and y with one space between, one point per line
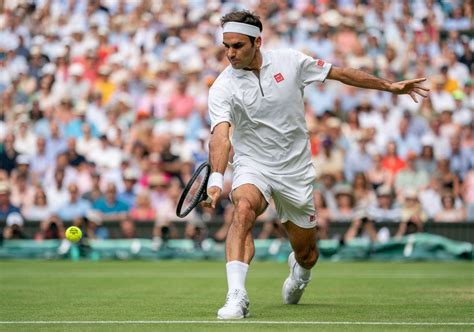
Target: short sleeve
219 107
310 69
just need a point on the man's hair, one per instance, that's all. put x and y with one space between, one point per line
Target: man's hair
243 16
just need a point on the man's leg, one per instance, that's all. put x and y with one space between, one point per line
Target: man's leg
249 203
304 256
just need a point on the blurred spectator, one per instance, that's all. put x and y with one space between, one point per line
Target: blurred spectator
468 194
51 228
74 158
6 207
127 229
39 210
95 192
449 212
459 157
363 193
56 191
152 103
40 161
75 207
384 210
142 209
412 215
405 141
326 187
434 137
441 100
462 115
344 211
392 161
167 195
358 159
22 194
329 160
110 207
409 177
56 143
181 103
426 161
106 155
128 194
75 86
169 162
378 176
8 154
449 180
25 138
14 227
84 176
87 143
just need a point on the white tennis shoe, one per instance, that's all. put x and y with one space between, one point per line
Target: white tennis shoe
293 287
236 305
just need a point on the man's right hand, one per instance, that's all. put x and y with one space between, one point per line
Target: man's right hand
214 193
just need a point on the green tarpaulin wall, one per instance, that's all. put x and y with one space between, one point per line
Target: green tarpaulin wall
421 246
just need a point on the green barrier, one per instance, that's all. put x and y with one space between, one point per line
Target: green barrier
421 246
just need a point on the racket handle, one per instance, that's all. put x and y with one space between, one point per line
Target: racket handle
208 200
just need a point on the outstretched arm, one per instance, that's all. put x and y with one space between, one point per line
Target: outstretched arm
219 148
361 79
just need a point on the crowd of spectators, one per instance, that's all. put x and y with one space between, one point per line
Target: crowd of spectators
103 111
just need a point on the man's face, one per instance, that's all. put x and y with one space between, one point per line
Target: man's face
239 49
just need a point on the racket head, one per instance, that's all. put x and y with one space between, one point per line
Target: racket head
195 190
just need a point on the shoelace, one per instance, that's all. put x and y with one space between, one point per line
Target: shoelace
234 298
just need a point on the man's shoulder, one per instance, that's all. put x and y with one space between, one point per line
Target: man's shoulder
222 82
224 75
281 54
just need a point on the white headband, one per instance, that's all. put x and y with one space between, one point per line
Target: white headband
242 28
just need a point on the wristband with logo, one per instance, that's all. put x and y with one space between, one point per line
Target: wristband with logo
216 179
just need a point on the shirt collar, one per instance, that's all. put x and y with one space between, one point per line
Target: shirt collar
265 62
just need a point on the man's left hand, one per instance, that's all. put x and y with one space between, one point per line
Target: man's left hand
410 87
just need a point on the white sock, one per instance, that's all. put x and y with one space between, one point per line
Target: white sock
301 273
236 274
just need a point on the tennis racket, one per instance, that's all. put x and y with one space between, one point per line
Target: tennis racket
195 191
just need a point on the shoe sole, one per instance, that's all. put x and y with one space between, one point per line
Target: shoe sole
283 293
247 314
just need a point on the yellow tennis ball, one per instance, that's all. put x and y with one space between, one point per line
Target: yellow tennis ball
73 234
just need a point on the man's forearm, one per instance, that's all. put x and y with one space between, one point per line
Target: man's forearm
358 78
219 148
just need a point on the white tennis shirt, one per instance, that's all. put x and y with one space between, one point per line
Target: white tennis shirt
267 113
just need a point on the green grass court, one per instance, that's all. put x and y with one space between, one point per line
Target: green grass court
143 295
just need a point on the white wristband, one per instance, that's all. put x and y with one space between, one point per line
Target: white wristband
216 179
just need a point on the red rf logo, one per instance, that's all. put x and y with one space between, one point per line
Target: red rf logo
279 77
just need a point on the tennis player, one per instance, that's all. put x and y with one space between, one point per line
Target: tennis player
261 96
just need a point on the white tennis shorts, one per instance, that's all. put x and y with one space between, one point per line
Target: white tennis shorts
292 194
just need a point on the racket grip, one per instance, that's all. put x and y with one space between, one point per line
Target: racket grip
208 200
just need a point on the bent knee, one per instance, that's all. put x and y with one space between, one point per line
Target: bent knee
307 258
245 209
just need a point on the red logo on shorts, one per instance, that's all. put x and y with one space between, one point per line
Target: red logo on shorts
278 77
312 218
320 63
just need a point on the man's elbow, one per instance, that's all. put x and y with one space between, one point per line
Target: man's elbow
336 73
